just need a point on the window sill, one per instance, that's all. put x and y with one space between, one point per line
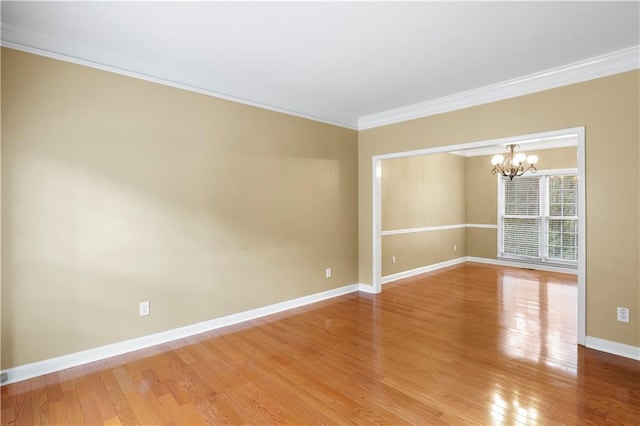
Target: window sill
566 265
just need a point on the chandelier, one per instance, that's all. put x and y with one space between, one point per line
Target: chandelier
515 164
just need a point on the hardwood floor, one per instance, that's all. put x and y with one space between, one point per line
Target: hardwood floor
470 344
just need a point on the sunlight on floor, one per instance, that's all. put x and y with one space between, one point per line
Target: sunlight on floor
536 316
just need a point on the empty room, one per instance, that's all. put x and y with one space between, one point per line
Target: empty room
320 213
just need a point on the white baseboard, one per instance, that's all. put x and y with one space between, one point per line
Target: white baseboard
614 348
499 262
526 265
40 368
421 270
28 371
367 288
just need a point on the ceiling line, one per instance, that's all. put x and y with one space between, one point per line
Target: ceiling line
19 38
577 72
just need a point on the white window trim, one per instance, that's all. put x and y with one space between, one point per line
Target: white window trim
544 218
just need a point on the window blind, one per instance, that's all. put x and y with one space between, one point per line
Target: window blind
539 218
563 218
521 220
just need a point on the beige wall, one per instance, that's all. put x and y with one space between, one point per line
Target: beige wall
417 192
608 108
420 249
1 262
444 189
117 190
482 196
426 190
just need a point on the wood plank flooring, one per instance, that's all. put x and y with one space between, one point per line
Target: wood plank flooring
470 344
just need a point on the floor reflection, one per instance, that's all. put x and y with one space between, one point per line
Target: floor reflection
538 318
470 344
505 411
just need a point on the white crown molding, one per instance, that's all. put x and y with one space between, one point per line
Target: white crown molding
26 40
589 69
28 371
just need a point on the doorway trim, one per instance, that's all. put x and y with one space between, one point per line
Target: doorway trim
377 205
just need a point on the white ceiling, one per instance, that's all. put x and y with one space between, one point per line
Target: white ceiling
535 144
336 62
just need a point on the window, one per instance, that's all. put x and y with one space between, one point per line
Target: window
538 217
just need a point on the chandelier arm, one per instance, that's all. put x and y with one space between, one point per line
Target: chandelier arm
508 168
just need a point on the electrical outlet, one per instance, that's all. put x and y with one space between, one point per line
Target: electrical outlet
144 308
455 247
393 259
623 314
327 273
